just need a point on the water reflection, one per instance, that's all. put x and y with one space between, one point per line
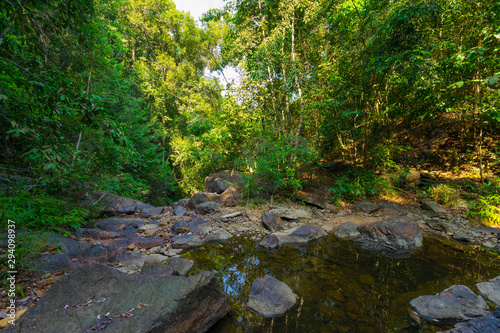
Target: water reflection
341 287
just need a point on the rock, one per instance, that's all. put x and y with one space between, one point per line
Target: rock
76 250
229 197
390 209
347 230
457 303
327 228
98 234
177 225
288 213
390 235
142 242
131 246
147 227
462 236
491 290
222 181
431 206
186 242
115 224
158 265
200 226
173 304
439 225
488 324
229 216
299 235
179 210
313 196
271 221
218 237
206 208
411 176
367 207
270 297
115 205
151 211
53 263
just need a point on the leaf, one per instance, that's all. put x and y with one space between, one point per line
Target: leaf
494 79
63 97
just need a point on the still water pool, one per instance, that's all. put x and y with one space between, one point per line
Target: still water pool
341 287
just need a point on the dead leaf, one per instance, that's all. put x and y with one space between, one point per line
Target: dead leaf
5 322
39 292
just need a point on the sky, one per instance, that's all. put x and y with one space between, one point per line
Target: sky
197 8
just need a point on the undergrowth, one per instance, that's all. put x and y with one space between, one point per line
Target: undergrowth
354 186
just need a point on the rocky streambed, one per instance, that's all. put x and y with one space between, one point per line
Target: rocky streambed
350 270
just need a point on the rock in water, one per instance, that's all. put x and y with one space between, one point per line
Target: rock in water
488 324
457 303
491 290
270 297
96 297
300 235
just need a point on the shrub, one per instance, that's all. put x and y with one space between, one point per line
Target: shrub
486 210
359 186
444 194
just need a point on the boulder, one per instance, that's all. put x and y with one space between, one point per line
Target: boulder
457 303
313 196
206 208
99 298
271 221
299 235
270 297
115 205
229 197
151 212
491 290
347 230
221 181
390 209
390 235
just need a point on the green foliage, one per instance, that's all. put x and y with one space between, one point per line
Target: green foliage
486 210
443 194
35 210
354 186
277 164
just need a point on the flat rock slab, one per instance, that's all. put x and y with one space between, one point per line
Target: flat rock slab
347 230
313 196
200 226
164 266
457 303
491 290
80 301
270 297
432 206
53 263
186 242
115 224
300 235
287 213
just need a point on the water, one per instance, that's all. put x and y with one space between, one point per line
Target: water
341 287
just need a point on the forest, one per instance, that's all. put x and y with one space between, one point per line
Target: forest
113 95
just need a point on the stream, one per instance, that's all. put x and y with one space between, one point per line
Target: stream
341 287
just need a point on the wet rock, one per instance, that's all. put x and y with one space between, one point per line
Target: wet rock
222 181
491 290
313 196
206 208
270 297
186 242
367 207
271 221
457 303
299 235
347 230
81 301
432 206
390 235
488 324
